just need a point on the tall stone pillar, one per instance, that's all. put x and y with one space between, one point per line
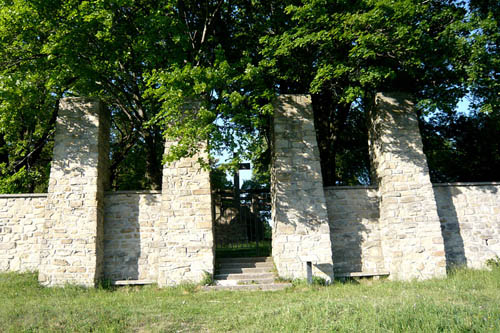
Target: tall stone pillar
409 224
72 251
186 249
300 220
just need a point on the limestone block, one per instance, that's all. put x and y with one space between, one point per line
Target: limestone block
79 175
299 215
354 220
131 245
409 224
185 229
469 240
20 236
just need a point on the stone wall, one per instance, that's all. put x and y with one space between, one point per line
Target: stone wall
22 218
406 226
72 250
301 231
470 220
131 235
412 243
469 215
165 237
353 212
186 239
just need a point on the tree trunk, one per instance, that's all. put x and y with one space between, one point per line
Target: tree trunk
329 120
153 158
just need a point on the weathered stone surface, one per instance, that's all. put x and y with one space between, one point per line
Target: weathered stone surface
185 230
78 176
353 212
409 224
167 237
299 217
470 222
131 235
21 223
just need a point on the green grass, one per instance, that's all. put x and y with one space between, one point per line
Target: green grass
467 301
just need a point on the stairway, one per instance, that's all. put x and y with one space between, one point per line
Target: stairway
255 273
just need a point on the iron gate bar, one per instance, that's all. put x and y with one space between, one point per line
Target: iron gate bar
240 221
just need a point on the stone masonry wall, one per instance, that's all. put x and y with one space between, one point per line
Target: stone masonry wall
22 217
300 220
470 220
75 234
353 212
469 215
72 250
186 239
410 229
130 235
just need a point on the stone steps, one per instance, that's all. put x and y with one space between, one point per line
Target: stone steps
241 281
244 270
246 274
251 287
245 265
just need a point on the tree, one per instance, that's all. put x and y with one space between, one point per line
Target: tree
462 148
149 61
195 71
30 87
343 52
104 49
484 68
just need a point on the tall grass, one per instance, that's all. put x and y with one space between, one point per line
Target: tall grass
466 301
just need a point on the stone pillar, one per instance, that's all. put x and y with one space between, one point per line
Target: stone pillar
301 231
409 224
72 251
186 247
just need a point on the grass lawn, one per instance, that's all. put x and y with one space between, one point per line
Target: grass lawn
465 301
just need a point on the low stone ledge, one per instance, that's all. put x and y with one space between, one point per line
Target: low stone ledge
23 195
132 282
361 274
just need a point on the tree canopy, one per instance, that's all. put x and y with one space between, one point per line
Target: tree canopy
195 71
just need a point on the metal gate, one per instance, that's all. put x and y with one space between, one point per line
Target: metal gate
242 223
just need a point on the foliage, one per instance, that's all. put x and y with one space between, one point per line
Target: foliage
218 179
257 182
343 52
466 301
493 263
30 87
462 148
194 72
149 61
316 282
246 249
484 68
208 279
